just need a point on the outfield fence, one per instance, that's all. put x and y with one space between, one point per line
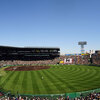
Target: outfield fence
65 95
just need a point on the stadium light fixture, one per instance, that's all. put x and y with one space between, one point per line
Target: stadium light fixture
82 43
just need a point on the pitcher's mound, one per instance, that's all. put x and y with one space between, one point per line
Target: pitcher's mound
26 68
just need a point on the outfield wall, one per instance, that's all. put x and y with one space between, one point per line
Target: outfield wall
64 95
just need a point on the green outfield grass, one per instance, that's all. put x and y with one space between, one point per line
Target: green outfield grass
57 79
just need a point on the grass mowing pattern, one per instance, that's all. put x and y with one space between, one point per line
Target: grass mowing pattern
57 79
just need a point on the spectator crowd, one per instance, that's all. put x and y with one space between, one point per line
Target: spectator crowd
91 96
75 60
96 59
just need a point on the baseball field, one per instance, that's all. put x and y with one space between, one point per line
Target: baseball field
54 80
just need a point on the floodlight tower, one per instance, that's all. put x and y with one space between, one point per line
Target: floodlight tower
82 43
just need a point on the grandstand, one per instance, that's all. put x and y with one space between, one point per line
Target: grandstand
95 58
28 53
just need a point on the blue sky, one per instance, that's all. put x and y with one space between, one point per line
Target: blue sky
50 23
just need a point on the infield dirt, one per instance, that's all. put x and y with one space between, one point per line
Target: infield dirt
26 68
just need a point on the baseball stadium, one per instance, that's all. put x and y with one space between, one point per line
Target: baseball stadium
49 50
39 73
